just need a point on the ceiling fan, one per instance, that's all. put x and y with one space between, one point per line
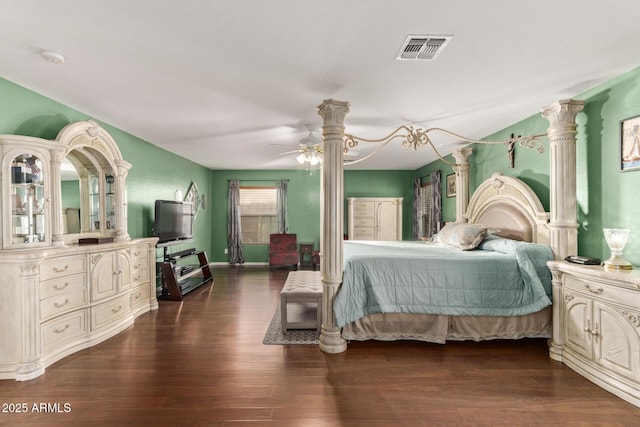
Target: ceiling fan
310 149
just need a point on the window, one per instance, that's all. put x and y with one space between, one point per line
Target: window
258 214
425 210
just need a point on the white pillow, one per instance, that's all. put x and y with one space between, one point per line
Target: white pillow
461 235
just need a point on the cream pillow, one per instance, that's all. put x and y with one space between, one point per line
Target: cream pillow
461 235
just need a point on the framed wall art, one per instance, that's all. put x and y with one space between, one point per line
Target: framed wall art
451 185
630 144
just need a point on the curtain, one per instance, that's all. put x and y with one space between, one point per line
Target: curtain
282 217
436 202
236 252
417 210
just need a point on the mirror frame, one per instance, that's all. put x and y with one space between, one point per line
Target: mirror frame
96 144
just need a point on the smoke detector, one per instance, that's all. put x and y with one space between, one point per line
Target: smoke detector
426 47
52 57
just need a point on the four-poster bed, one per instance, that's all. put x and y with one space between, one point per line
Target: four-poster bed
483 306
560 232
593 316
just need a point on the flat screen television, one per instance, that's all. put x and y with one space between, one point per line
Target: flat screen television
173 221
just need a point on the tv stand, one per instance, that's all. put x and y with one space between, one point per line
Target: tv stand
179 281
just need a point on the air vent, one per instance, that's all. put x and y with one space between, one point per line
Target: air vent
422 47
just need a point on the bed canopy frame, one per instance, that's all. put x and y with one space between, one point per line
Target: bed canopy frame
562 224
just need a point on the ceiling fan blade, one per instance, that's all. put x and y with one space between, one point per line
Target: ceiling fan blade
280 145
286 153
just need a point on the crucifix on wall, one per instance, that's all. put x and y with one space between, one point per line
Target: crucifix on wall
511 151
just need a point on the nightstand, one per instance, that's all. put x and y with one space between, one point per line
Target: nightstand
596 326
306 253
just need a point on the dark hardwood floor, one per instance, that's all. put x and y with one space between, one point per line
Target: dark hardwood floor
202 362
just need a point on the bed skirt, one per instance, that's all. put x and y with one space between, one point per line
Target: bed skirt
440 328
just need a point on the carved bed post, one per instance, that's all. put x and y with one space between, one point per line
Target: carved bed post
461 168
331 219
562 132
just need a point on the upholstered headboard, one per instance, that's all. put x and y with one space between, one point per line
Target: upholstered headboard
510 205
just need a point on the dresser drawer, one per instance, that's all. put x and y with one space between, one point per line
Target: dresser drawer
602 291
58 267
110 312
139 252
63 330
364 222
363 234
359 211
140 296
60 304
364 204
60 285
139 276
137 265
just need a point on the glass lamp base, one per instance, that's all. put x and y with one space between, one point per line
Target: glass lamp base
617 263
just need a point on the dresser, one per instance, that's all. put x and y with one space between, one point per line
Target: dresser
54 303
375 218
596 326
70 275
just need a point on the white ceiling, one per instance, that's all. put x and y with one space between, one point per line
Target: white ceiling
230 84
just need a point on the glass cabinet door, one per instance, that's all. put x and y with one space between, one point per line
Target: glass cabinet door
28 209
94 202
110 203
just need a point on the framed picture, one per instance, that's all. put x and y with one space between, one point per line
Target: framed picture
630 144
451 185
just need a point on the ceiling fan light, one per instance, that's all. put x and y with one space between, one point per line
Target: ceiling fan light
314 159
300 158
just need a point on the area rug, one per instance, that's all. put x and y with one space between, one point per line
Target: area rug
275 335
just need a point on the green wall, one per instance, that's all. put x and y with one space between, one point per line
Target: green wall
379 183
304 202
303 196
607 197
155 173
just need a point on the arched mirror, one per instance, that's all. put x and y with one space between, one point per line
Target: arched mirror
92 176
88 204
70 189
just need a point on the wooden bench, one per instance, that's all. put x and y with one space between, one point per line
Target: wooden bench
301 287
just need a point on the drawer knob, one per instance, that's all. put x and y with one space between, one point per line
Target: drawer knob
60 270
59 288
57 305
59 331
116 310
594 290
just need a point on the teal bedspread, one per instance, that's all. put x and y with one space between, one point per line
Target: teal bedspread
501 278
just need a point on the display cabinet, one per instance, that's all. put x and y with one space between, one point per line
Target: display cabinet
71 275
27 205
